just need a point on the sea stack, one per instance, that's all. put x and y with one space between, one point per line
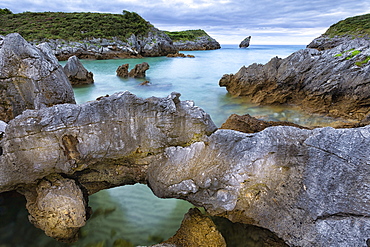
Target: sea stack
245 42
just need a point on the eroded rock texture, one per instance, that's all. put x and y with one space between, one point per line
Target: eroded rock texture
310 187
30 78
77 73
334 81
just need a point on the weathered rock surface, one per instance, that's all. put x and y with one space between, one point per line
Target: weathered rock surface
245 42
155 43
76 72
122 71
137 72
249 124
30 78
310 187
335 81
197 230
57 206
200 43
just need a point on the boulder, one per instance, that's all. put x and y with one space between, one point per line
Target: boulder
334 81
196 230
139 70
30 78
122 71
245 42
76 72
249 124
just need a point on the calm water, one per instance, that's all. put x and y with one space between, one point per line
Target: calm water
133 213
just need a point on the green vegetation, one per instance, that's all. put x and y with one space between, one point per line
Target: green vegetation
355 26
186 35
72 26
353 53
363 62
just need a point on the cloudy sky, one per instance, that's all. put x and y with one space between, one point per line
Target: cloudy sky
228 21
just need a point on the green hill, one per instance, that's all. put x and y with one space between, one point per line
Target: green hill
186 35
355 26
72 26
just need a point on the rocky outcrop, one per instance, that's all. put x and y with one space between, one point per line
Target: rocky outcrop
333 81
180 55
200 43
137 72
30 78
245 42
196 230
76 72
249 124
306 186
154 43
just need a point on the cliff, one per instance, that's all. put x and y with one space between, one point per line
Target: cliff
191 40
329 77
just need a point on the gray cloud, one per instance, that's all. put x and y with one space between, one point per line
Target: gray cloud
227 20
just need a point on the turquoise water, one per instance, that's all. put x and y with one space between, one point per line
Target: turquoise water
133 213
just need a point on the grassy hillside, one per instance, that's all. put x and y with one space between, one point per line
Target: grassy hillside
186 35
72 26
356 26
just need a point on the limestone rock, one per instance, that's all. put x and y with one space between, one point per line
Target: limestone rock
57 206
111 140
332 82
30 78
201 43
245 42
76 72
197 230
306 186
139 70
122 71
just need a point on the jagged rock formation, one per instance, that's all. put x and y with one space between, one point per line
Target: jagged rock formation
122 71
249 124
333 81
307 186
155 43
245 42
30 78
180 55
137 72
76 72
200 43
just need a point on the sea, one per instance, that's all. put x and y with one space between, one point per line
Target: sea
131 215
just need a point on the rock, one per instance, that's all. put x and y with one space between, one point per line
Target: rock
139 70
30 78
180 55
76 72
249 124
205 42
145 83
306 186
197 230
245 42
57 206
69 139
332 82
2 127
122 71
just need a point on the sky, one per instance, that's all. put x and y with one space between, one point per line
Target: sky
278 22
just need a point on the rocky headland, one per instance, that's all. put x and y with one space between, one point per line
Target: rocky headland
329 77
192 40
309 187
